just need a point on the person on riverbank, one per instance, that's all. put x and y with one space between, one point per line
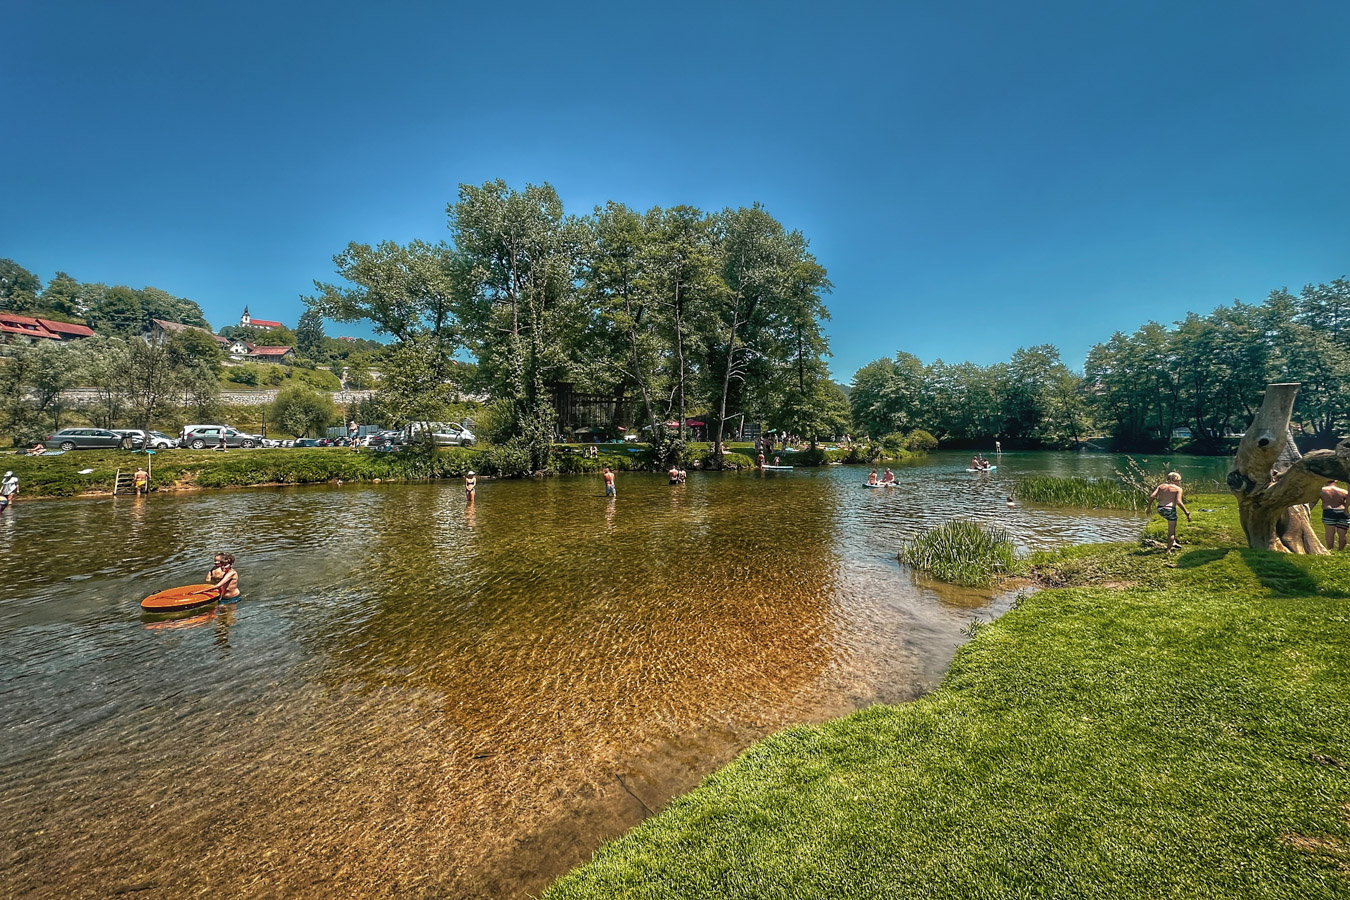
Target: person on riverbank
141 481
1335 518
610 490
224 578
1168 495
470 486
37 449
9 489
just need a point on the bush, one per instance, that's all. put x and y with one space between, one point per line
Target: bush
961 552
920 441
508 460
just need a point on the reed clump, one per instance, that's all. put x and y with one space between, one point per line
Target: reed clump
1092 493
962 552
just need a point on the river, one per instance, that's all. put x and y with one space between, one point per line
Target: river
418 698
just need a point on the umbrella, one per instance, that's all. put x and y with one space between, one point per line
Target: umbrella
693 422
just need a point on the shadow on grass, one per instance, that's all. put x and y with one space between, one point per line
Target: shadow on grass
1276 571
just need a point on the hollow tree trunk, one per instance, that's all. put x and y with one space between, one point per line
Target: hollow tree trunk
1274 484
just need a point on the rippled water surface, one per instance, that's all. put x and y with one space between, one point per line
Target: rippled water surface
418 698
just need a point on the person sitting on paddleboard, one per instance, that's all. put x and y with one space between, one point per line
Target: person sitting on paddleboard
224 578
888 477
872 478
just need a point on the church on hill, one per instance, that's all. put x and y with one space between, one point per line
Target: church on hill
247 321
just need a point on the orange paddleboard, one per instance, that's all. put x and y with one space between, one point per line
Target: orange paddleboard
189 596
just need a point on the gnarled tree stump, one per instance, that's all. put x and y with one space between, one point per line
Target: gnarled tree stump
1274 484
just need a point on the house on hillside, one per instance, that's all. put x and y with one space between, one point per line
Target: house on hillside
66 331
18 329
247 321
244 351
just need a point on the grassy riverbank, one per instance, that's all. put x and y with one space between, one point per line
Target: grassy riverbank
1161 725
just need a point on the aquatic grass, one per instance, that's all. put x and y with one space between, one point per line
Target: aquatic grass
1089 493
962 552
1184 736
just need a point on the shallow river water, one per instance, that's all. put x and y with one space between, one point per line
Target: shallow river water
416 698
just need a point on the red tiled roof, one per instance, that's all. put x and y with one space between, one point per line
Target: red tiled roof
28 332
269 351
13 324
67 328
263 323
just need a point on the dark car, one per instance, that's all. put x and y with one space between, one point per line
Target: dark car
306 442
209 438
85 439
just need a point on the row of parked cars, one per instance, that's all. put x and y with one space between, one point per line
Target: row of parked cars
205 437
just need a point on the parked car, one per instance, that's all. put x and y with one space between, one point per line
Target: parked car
208 436
157 440
85 439
305 442
443 434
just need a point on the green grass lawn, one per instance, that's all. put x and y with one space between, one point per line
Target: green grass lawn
1163 725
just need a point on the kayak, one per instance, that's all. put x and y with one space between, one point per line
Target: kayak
189 596
990 469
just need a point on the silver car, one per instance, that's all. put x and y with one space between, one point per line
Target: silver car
209 437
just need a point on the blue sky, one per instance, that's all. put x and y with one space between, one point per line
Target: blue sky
975 176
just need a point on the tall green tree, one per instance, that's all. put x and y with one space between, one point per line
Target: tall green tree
309 337
18 287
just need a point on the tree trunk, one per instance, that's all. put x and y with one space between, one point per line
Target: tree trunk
1274 485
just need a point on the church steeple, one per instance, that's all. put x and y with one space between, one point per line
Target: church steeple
244 319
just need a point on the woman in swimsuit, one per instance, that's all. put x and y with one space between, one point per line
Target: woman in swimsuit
224 578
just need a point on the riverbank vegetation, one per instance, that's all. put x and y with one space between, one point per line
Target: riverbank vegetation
962 552
1193 383
1089 493
1159 725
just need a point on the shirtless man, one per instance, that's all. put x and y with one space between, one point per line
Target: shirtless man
141 481
1335 519
888 477
674 474
610 490
1168 495
224 578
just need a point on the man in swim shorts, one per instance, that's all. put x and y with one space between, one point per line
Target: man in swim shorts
1335 519
141 481
1168 495
674 474
888 477
609 482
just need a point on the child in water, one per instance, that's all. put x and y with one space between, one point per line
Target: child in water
224 578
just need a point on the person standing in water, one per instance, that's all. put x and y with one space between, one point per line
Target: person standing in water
1335 519
470 486
610 490
1168 495
9 488
224 578
141 481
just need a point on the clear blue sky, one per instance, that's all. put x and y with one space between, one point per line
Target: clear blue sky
975 176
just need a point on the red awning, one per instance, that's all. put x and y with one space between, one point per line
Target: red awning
692 422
